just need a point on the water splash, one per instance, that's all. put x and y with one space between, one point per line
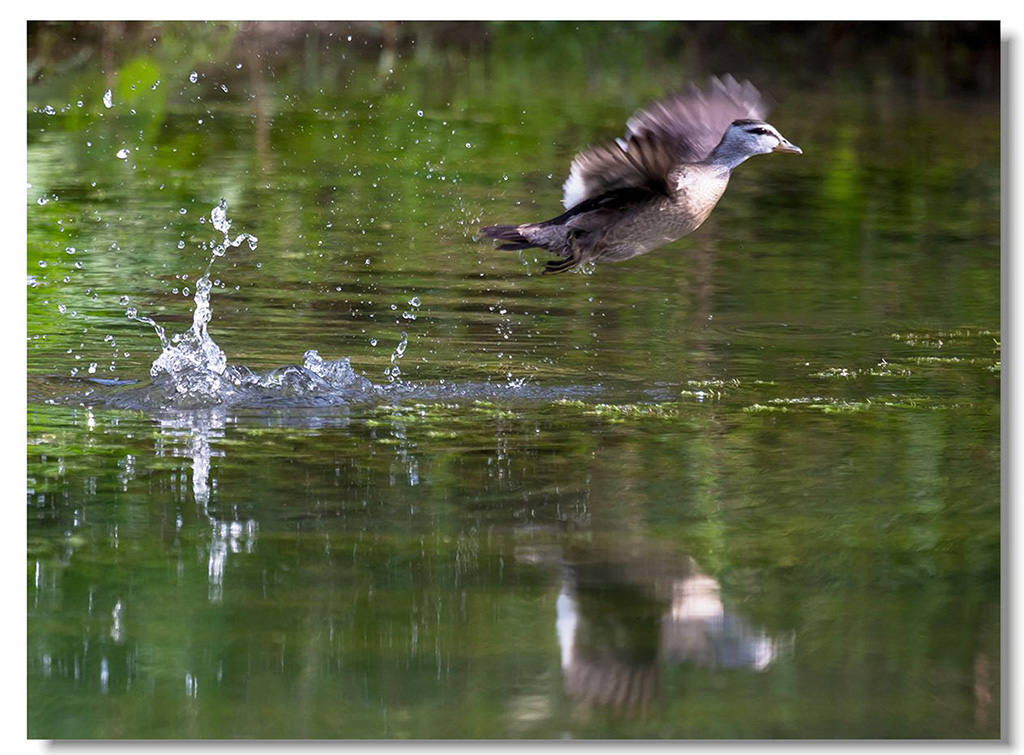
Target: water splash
192 371
192 360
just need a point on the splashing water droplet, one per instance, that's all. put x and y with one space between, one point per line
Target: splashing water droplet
108 99
193 77
415 301
219 216
123 153
393 371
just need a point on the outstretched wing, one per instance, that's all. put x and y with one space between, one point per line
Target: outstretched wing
683 127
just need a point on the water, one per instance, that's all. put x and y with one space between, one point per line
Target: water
383 481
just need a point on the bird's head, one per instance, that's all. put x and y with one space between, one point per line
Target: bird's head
745 138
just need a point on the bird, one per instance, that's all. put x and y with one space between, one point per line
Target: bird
656 184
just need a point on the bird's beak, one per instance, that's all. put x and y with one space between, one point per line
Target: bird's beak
787 146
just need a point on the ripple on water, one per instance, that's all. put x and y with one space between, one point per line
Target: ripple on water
777 330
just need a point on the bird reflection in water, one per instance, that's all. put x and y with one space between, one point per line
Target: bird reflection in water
618 622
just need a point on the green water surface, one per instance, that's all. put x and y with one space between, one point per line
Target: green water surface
746 486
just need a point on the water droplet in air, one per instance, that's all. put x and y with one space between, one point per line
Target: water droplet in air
92 368
124 301
219 216
108 99
61 308
419 113
193 77
123 153
415 301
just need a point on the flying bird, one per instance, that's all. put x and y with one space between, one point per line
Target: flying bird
656 184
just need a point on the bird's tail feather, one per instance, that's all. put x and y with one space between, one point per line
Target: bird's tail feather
513 239
509 234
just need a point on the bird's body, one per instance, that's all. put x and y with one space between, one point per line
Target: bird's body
656 185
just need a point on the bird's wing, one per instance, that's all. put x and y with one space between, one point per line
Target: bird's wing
694 121
683 127
614 201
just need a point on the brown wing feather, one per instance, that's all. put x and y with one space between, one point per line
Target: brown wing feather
694 121
684 127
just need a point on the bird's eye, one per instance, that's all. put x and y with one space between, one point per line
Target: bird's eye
758 130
